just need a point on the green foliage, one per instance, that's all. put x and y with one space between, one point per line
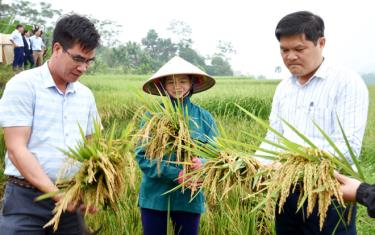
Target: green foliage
219 66
154 51
6 73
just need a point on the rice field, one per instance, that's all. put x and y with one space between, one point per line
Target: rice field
117 97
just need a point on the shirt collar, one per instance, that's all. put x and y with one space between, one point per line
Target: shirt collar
49 82
321 73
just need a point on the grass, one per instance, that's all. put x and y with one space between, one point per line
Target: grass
116 98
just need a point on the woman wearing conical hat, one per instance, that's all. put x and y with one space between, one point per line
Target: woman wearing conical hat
179 80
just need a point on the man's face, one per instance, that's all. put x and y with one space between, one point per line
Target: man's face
178 86
21 29
73 62
301 56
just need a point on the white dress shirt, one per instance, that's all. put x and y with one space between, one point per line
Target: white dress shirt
331 90
16 37
32 99
36 43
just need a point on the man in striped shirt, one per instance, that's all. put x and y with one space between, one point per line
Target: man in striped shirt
316 91
41 111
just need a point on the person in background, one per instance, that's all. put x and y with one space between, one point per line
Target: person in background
16 39
28 53
37 46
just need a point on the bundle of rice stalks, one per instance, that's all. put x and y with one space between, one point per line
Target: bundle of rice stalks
102 176
165 131
312 176
223 171
309 169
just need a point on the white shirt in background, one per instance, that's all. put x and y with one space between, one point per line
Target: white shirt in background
37 43
16 37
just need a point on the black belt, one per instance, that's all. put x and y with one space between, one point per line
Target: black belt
20 182
26 184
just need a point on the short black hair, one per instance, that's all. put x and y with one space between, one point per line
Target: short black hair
72 29
19 26
301 22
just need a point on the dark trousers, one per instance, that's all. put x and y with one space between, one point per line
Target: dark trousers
18 57
22 216
290 222
28 59
155 222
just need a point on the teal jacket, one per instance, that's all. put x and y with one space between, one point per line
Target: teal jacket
154 185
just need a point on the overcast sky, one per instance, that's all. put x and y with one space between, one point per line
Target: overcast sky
248 25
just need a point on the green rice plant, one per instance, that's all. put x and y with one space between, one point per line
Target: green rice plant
6 73
104 171
308 168
165 131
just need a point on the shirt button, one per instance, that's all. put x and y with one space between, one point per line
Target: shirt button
66 134
65 117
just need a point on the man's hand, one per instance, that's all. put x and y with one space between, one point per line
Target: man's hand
91 209
349 186
72 207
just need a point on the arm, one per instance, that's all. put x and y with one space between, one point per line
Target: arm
12 36
16 139
17 108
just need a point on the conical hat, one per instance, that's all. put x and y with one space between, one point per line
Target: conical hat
201 80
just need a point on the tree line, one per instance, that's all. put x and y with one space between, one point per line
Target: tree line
130 57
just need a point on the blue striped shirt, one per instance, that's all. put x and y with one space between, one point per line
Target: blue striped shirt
32 99
329 91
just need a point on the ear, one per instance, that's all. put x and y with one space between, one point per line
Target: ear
57 48
322 42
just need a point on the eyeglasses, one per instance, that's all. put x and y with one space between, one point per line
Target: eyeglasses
79 59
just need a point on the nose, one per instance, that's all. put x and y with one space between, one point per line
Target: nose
82 67
291 55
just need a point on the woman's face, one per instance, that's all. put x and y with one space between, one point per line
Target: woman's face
178 86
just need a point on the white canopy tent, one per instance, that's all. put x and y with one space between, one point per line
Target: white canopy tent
6 49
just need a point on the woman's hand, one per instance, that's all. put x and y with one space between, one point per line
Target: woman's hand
197 164
349 186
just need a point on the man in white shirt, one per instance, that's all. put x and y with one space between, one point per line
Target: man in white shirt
37 46
16 39
42 111
316 91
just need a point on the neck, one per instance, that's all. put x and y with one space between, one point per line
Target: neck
60 83
303 79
